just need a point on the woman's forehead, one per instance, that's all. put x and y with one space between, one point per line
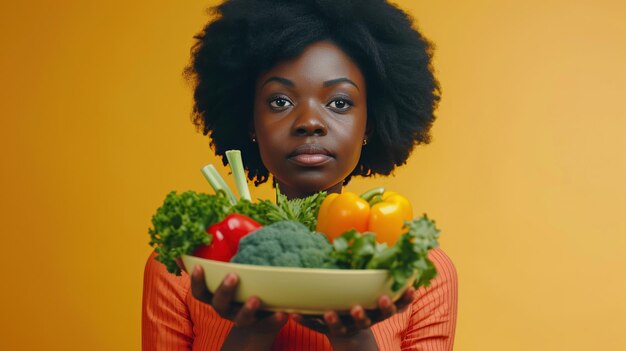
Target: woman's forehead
320 62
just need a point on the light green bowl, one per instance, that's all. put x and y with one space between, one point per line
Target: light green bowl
301 290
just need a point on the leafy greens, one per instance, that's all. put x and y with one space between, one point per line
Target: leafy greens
302 210
409 255
179 226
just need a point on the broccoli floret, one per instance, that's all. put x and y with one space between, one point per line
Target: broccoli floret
285 244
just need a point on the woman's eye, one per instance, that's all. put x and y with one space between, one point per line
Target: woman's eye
340 104
280 103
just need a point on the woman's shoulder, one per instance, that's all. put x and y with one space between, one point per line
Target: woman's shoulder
157 280
165 320
432 314
446 271
444 286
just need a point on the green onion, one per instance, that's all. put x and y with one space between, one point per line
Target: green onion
218 183
236 166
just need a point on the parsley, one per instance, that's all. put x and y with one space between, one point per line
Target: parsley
302 210
180 224
409 255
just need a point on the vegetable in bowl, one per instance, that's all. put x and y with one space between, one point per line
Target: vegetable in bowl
285 244
186 224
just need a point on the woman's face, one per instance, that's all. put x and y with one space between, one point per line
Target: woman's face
310 119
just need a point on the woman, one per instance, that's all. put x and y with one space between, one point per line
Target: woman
313 93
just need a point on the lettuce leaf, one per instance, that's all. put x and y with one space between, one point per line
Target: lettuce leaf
302 210
409 255
179 225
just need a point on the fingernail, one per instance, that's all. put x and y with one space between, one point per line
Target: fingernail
385 302
360 313
357 312
196 269
252 304
230 280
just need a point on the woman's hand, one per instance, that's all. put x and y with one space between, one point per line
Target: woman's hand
351 331
254 329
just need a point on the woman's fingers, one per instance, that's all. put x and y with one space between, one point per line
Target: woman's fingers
277 321
311 322
335 325
247 313
222 302
180 264
221 299
198 286
406 299
332 324
224 294
280 317
360 318
386 307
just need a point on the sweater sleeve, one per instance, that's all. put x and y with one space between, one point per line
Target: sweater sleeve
432 321
165 321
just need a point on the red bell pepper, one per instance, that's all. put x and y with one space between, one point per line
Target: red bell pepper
226 235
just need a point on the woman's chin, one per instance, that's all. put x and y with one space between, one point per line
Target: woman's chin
308 187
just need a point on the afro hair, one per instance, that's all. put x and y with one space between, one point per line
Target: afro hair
247 37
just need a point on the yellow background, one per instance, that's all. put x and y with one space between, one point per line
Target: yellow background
525 175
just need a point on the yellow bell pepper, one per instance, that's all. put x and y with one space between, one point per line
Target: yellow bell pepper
342 212
387 217
378 211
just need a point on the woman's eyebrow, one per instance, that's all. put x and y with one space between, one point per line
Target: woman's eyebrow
282 80
327 83
340 80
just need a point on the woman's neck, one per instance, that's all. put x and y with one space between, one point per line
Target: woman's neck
292 193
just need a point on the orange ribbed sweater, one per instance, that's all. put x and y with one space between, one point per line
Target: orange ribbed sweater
172 319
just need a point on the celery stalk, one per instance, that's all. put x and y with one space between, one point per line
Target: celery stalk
218 183
236 166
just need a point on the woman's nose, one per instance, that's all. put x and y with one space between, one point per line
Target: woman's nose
310 121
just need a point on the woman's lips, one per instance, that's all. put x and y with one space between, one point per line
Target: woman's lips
310 160
310 155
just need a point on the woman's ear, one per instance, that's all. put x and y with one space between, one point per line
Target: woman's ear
252 135
251 132
368 133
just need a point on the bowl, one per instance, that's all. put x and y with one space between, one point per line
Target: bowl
302 290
